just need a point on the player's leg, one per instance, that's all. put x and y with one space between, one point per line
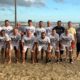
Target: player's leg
20 49
2 53
35 52
57 54
24 54
70 55
9 52
42 53
10 55
62 48
17 53
78 50
6 52
73 46
32 56
48 53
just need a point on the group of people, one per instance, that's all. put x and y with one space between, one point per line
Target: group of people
47 40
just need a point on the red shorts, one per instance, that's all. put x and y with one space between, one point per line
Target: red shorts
73 45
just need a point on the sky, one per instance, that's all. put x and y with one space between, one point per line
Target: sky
45 10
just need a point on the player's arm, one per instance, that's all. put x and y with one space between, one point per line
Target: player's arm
60 39
35 43
49 44
73 39
21 43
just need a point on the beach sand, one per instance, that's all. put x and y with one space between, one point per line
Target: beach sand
40 71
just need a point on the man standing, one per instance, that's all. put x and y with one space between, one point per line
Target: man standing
72 30
60 29
15 37
65 40
54 39
44 46
27 43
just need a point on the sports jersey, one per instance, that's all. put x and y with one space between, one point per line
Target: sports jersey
39 31
54 39
59 29
31 28
28 41
48 31
15 39
72 31
3 40
66 40
44 41
7 29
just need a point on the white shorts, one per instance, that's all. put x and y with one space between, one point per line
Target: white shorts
55 48
66 46
2 46
17 46
11 47
42 47
26 47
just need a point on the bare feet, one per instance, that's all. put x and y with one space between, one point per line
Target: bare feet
23 62
9 62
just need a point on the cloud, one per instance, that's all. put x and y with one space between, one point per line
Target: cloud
26 3
56 9
59 1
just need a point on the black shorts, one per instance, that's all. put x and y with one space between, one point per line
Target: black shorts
78 47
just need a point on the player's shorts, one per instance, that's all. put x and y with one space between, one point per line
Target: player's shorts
2 46
73 45
66 46
15 46
55 48
9 46
27 47
42 47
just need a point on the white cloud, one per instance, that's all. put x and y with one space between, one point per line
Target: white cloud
26 3
59 1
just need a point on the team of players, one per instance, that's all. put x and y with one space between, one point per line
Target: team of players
42 40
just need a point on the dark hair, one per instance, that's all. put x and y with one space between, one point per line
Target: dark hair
58 21
6 21
40 21
53 29
42 32
29 21
69 22
48 21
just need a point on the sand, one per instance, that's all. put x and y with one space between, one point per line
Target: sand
40 71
